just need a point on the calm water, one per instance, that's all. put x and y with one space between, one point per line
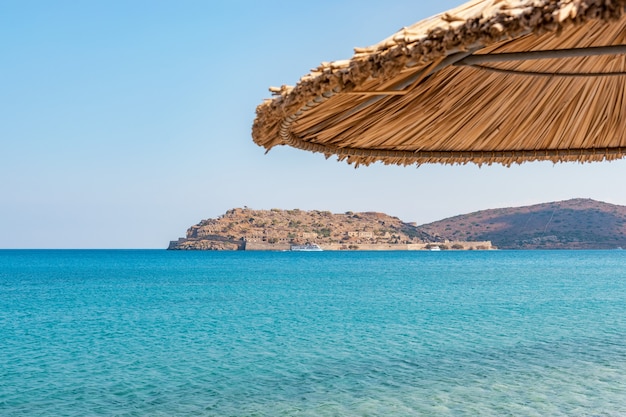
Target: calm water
158 333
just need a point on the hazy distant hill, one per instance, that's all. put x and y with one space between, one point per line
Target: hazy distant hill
571 224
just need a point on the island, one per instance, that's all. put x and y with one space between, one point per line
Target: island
277 229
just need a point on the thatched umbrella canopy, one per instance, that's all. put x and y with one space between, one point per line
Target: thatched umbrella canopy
492 81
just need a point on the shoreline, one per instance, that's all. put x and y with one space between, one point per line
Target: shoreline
188 244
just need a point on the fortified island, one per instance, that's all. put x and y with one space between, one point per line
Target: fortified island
276 229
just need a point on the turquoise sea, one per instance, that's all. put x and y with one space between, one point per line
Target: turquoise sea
160 333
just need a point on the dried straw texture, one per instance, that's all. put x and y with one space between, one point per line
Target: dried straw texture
402 102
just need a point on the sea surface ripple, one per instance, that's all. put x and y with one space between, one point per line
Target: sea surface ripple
450 333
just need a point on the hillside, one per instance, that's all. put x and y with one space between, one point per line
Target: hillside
243 225
571 224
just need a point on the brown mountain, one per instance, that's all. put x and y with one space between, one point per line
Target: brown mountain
571 224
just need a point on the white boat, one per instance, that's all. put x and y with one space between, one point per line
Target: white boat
309 247
435 248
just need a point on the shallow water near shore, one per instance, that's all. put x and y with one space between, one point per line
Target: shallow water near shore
161 333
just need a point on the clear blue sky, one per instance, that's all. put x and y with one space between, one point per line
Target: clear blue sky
122 123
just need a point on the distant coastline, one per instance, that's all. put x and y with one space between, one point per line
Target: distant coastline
203 244
580 223
570 224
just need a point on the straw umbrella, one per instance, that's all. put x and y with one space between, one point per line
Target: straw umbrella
492 81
